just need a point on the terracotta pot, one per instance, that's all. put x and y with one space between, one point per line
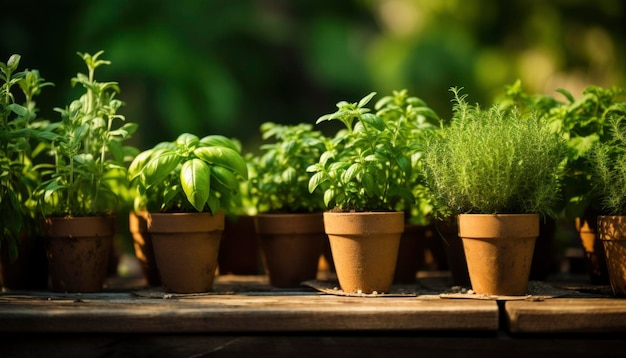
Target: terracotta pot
291 245
411 253
612 233
594 251
142 242
30 270
457 264
365 248
499 251
186 246
239 249
78 251
544 260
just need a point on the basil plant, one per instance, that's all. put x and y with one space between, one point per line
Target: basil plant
369 164
187 175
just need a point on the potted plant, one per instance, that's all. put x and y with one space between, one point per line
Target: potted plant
289 219
417 122
22 258
498 171
79 192
608 164
582 122
185 186
366 173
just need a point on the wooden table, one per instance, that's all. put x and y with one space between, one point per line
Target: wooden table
245 316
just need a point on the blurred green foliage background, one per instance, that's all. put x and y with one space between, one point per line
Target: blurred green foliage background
226 66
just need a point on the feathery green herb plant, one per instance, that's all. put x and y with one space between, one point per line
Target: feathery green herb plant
494 160
582 122
608 164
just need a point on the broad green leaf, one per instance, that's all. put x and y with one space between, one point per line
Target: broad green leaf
329 195
374 120
18 109
159 167
426 112
225 177
220 141
195 176
224 157
187 140
289 176
352 171
134 169
13 62
405 164
316 180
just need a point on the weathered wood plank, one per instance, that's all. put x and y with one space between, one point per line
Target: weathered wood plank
563 315
244 313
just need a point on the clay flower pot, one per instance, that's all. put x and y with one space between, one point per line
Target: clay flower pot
499 251
364 246
239 250
186 246
78 250
612 233
594 251
291 245
30 270
142 242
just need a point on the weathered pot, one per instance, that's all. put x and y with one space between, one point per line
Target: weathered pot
78 250
499 251
448 230
239 249
185 247
412 251
364 246
30 270
594 250
291 245
612 233
142 242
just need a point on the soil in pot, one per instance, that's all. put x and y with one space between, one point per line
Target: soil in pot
292 245
186 246
78 251
365 248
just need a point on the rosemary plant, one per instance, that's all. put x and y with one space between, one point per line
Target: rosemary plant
494 160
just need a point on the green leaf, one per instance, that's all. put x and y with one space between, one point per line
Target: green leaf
224 177
187 140
159 167
366 99
374 120
220 141
351 172
224 157
315 180
18 109
426 112
195 176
